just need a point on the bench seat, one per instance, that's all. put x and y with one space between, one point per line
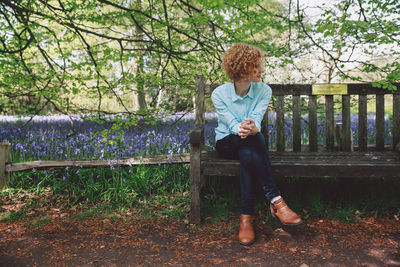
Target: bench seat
313 164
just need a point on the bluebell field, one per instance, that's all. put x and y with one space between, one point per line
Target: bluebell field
54 138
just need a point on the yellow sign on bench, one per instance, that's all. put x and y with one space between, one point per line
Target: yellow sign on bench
329 89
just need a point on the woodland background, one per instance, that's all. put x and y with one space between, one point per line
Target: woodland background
140 57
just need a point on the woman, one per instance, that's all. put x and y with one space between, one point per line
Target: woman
241 105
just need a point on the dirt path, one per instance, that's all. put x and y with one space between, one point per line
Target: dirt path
99 242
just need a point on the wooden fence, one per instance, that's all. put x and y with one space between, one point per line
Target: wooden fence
6 167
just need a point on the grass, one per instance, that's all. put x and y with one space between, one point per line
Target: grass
163 192
118 187
88 213
155 192
39 222
344 200
12 216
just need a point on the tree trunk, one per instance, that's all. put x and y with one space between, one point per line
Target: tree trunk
141 96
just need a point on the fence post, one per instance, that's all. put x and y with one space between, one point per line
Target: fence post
5 150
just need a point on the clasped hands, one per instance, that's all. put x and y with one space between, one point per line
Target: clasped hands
247 127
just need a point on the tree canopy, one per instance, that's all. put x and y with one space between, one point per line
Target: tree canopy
73 56
360 38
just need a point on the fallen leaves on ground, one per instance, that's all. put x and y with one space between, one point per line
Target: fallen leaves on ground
96 241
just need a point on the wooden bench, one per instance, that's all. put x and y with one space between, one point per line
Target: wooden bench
334 159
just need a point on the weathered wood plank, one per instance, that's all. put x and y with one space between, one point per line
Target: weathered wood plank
280 124
339 170
197 136
316 164
199 105
380 122
306 89
338 156
264 128
195 184
124 162
287 169
329 122
5 152
296 123
338 135
312 123
347 137
362 123
396 120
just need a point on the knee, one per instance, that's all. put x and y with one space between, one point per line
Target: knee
258 141
246 156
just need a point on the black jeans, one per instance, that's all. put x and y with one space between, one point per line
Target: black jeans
255 164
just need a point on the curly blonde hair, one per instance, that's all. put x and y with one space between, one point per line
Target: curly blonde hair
240 59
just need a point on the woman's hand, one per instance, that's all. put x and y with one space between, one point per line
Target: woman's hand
244 129
247 127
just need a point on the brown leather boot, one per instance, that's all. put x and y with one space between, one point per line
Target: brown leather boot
246 232
284 213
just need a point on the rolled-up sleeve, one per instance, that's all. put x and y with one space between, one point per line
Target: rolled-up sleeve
224 115
261 107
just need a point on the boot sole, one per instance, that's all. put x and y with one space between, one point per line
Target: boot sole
247 244
293 224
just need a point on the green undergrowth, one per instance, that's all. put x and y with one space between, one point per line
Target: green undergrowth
124 187
163 192
345 199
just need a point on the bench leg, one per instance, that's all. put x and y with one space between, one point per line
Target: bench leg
195 200
195 185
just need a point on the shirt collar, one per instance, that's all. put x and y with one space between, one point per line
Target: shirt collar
250 93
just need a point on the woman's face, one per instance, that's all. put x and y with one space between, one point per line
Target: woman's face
256 72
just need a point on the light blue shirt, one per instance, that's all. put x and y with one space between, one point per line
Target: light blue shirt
232 109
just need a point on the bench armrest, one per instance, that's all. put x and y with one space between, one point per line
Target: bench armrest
197 136
397 148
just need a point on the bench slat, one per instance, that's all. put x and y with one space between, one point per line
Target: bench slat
306 89
329 164
329 122
362 123
296 123
288 169
280 124
264 128
396 119
312 123
211 155
380 122
346 134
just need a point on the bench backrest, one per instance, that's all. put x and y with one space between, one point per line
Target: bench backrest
294 94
